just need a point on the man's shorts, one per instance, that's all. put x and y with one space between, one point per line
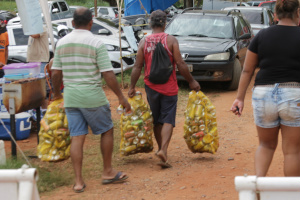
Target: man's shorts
276 105
99 119
163 107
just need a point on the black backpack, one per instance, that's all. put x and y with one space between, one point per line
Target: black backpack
161 66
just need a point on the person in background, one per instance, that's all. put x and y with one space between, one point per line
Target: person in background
276 93
3 45
162 98
80 60
38 51
38 48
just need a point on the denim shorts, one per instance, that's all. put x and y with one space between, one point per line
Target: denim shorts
99 119
276 105
163 107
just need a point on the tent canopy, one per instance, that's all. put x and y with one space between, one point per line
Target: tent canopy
134 7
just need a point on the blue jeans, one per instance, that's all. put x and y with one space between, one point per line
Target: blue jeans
276 105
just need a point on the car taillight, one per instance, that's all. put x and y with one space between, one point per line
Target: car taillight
5 21
116 15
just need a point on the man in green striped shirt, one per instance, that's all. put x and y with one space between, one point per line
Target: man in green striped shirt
80 60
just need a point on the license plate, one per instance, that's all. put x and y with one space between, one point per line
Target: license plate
189 66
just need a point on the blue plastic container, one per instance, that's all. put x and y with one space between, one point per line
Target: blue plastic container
23 125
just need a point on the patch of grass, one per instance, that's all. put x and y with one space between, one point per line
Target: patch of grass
12 164
51 175
9 5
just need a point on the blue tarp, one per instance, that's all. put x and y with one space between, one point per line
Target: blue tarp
133 7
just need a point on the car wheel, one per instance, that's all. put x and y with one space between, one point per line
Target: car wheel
237 69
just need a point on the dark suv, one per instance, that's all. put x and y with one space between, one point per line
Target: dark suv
212 43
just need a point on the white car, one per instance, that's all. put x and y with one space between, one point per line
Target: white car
105 12
17 49
101 26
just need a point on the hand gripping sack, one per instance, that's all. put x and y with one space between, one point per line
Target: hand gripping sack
200 127
54 136
136 128
161 66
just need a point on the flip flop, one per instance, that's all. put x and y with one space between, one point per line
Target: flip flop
116 179
79 191
164 165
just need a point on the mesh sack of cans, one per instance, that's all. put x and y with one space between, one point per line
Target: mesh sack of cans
136 127
54 136
200 127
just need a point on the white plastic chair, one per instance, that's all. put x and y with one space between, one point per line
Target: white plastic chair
269 188
19 184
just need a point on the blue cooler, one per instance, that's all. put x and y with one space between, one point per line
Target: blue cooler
23 125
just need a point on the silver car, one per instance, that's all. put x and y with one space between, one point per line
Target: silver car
258 17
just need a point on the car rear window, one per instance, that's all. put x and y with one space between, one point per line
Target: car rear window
63 6
254 16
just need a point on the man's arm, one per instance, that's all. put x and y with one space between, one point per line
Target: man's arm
183 68
137 68
35 36
113 84
56 82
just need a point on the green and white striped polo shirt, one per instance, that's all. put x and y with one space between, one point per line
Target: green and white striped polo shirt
82 57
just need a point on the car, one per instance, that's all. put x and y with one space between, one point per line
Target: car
212 43
73 8
219 4
258 17
268 4
254 3
103 27
105 12
7 15
17 49
141 24
242 4
58 9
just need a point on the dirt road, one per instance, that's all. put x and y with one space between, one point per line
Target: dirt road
193 176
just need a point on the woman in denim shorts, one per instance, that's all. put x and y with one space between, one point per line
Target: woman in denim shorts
276 94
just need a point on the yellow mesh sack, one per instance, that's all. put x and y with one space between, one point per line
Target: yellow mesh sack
136 128
54 136
200 126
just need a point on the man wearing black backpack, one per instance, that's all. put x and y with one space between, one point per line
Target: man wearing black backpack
160 53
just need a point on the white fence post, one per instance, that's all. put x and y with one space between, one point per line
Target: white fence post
19 184
246 186
269 188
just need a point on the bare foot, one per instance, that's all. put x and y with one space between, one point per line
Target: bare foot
162 156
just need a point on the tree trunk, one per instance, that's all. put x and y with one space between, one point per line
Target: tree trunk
111 2
189 3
